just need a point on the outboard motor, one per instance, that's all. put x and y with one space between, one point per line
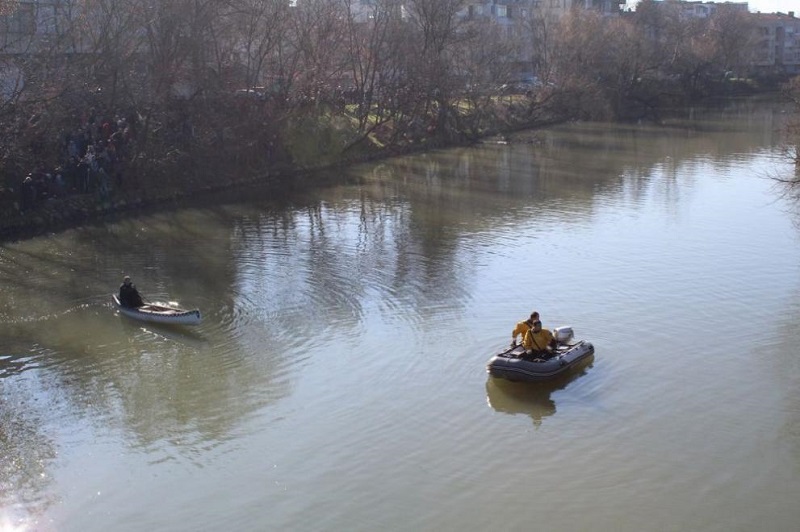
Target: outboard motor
563 335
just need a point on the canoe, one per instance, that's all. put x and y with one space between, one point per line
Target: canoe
513 364
160 313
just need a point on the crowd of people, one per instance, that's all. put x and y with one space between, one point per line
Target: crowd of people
92 159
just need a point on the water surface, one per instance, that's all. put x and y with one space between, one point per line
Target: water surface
338 380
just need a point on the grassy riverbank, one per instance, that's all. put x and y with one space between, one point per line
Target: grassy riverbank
195 148
166 158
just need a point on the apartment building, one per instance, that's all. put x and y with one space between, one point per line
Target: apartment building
506 11
27 26
778 48
706 9
365 10
777 34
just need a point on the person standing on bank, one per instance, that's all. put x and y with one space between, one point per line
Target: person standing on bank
129 295
538 341
523 327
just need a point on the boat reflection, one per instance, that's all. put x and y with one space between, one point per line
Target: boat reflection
531 398
178 334
11 365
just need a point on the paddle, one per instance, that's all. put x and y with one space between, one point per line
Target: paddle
172 305
152 304
509 349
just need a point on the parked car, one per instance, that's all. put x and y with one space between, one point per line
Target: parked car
259 93
523 86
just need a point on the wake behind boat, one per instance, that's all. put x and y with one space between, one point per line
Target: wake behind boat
159 313
513 364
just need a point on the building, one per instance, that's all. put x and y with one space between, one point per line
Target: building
706 9
507 11
777 39
27 26
778 48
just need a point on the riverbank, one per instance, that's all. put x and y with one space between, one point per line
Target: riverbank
201 179
156 183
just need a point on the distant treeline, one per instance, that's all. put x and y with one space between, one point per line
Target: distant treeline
248 86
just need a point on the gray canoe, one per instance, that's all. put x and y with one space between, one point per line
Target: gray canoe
512 365
159 313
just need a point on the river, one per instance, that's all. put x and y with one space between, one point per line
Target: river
338 379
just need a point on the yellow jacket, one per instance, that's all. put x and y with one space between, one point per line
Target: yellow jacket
521 328
537 341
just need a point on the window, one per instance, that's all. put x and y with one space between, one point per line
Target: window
22 20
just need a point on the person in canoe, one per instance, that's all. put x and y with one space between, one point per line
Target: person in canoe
523 327
128 294
538 341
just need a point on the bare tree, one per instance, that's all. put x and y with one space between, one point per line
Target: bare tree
488 63
180 37
259 43
735 34
102 42
369 69
12 42
583 53
629 63
319 38
8 6
434 31
538 35
792 147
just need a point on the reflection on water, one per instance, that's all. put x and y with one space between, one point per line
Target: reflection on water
345 331
533 399
27 454
787 378
179 334
11 365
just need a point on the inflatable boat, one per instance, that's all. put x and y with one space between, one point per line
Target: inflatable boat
159 313
515 365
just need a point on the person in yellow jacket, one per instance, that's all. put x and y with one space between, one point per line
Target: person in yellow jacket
538 340
523 327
